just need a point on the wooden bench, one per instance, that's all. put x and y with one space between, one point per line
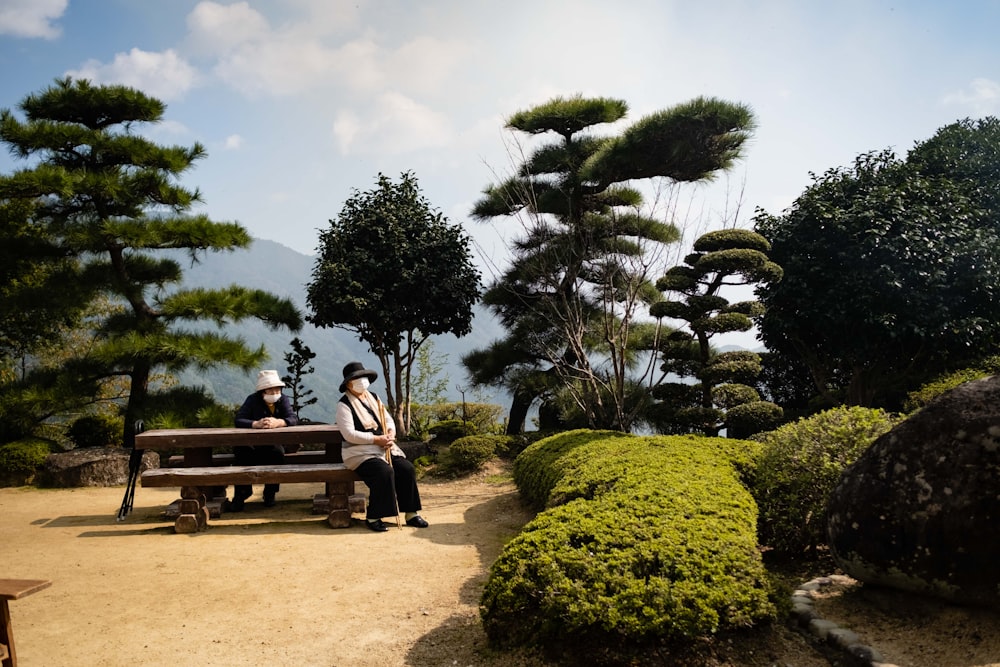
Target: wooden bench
13 589
203 476
341 501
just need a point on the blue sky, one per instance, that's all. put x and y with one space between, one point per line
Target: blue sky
300 101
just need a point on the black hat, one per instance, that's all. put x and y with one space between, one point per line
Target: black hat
355 369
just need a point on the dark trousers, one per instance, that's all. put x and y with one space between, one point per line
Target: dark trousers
260 455
387 484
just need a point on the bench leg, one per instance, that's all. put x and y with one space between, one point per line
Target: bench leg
338 504
193 511
7 636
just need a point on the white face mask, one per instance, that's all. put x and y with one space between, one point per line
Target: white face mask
359 386
271 398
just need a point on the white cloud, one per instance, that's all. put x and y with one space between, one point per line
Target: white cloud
165 76
233 142
220 28
982 97
396 124
31 18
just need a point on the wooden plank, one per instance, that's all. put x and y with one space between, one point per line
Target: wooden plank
305 457
14 589
261 474
181 438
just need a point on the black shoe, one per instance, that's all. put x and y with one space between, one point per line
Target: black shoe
269 500
417 522
377 526
234 505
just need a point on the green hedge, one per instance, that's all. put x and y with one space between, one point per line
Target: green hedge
21 459
798 467
647 540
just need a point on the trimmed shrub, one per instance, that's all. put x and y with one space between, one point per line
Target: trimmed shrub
97 431
647 541
448 431
799 465
469 453
21 459
928 392
537 468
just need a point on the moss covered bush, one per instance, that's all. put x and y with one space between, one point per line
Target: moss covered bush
21 459
97 431
798 467
647 540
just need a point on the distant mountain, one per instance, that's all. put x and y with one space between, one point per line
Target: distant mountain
284 272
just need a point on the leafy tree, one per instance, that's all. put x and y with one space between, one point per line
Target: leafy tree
722 395
891 277
298 365
395 272
107 199
583 270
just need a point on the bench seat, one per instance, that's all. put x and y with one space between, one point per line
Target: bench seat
257 474
198 484
306 457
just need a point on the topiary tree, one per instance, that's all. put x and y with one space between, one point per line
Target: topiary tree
298 365
721 395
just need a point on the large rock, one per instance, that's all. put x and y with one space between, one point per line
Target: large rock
91 466
920 509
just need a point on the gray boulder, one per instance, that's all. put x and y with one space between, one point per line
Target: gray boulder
91 466
920 509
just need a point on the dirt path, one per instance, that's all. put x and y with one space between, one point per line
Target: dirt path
269 586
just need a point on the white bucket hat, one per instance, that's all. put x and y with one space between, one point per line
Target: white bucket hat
268 379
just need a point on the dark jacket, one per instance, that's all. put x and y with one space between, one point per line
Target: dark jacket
255 408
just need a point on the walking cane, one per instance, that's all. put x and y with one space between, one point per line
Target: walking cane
388 459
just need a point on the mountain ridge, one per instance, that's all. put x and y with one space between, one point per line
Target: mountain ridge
284 272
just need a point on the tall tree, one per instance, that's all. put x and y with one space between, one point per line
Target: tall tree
722 395
583 272
890 278
109 199
394 271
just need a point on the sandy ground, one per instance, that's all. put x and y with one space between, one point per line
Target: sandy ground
278 586
269 586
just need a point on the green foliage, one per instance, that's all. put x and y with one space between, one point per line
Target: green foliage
298 366
107 201
22 458
723 380
890 270
580 275
931 390
446 432
188 407
537 468
799 465
395 272
647 541
469 453
96 431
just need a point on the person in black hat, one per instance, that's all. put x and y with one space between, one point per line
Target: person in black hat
265 408
369 448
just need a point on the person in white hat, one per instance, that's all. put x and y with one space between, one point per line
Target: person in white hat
265 408
370 449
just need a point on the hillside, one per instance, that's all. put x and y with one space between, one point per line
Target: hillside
282 271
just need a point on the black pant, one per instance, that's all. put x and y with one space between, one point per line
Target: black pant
249 455
387 484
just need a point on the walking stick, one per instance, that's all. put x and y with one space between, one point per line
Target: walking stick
388 459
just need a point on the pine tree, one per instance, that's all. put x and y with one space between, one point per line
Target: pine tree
109 198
